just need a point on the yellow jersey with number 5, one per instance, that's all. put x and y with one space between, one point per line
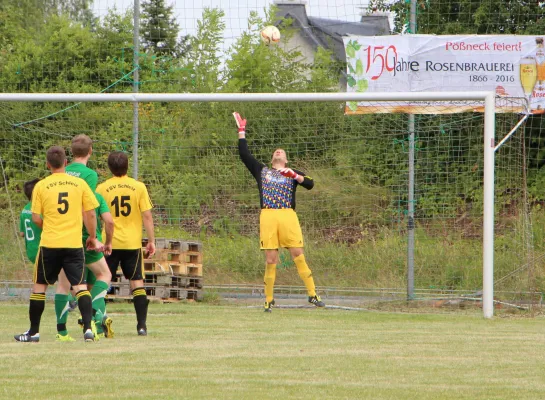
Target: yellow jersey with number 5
127 199
60 199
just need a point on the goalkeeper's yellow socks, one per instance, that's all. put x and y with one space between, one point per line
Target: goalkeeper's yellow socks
270 276
305 273
62 307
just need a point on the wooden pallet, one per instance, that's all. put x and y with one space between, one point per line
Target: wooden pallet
175 245
192 257
174 256
165 255
155 266
176 281
158 279
172 295
187 282
163 286
186 269
172 268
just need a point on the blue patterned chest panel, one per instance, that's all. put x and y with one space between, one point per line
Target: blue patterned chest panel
277 189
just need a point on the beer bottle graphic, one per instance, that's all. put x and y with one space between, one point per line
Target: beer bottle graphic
540 62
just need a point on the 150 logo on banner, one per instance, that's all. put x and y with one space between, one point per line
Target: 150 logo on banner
379 59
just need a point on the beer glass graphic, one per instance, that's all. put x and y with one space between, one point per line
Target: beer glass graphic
528 76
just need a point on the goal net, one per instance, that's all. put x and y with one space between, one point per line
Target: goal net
355 220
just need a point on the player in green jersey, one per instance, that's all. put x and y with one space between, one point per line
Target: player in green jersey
28 229
82 149
98 273
95 261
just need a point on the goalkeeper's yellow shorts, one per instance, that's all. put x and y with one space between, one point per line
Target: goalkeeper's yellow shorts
279 228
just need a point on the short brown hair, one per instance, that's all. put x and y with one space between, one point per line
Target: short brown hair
56 156
28 187
118 162
81 145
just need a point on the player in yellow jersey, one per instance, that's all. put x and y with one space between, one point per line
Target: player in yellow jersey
61 204
130 207
278 222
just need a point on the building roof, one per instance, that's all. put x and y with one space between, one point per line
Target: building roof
328 33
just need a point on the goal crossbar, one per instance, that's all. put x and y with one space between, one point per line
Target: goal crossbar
247 97
487 97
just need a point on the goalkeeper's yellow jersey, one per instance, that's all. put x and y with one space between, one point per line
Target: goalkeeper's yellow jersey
60 199
127 198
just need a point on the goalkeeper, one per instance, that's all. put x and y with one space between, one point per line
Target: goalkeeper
278 222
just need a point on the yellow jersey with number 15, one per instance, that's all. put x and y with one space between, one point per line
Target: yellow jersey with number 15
127 198
60 199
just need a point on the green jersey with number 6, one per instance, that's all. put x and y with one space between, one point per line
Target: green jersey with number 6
32 233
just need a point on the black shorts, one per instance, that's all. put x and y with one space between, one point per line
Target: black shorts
50 261
131 261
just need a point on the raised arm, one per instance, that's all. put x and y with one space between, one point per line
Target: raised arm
247 158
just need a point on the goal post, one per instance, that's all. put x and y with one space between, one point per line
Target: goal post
486 100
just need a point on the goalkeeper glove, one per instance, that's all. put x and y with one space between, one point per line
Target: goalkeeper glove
290 173
241 123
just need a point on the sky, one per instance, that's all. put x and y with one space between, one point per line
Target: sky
188 12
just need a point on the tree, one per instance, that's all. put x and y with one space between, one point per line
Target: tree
32 15
160 30
444 17
77 10
204 53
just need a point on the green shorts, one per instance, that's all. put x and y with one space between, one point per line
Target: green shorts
90 277
92 257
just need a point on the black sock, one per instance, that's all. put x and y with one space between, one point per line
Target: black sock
35 311
140 301
85 308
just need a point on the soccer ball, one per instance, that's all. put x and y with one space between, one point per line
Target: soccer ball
270 34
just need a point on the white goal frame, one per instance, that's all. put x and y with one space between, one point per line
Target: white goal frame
488 98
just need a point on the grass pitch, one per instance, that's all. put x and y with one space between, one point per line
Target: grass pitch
196 351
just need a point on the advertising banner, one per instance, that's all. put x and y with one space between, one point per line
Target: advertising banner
512 66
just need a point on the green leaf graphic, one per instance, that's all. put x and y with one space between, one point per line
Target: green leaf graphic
353 105
362 85
350 51
359 67
351 81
